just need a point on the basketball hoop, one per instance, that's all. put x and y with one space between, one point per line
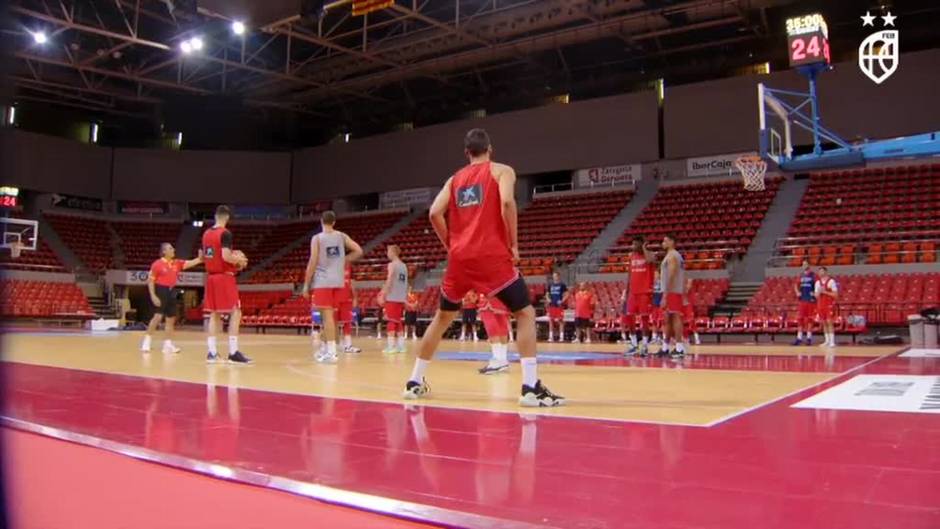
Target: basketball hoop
752 168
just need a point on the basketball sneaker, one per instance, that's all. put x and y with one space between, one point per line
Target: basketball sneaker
145 346
644 350
798 341
212 358
416 390
492 369
324 357
238 358
169 348
632 350
539 397
390 350
351 349
401 349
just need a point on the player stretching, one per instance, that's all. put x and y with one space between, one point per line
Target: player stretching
330 250
557 298
221 290
827 290
393 295
672 275
475 217
640 295
344 310
411 314
805 291
495 318
164 273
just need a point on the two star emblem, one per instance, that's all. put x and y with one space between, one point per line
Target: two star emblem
869 19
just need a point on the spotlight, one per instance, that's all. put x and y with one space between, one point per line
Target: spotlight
186 47
196 43
238 27
39 37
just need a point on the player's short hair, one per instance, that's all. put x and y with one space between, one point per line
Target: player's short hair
671 236
476 142
164 246
328 217
640 239
223 211
823 269
805 261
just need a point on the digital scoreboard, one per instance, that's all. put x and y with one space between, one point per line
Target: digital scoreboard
9 197
808 40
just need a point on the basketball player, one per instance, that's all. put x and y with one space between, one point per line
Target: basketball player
393 295
672 274
557 298
827 290
688 314
330 250
411 314
476 219
640 295
469 316
805 290
583 313
344 310
222 263
164 273
495 318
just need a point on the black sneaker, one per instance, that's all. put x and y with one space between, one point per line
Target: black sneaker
490 369
416 390
539 397
212 358
238 358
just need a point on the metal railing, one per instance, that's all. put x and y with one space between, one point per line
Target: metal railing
785 248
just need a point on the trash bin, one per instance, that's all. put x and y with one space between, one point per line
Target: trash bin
931 327
915 324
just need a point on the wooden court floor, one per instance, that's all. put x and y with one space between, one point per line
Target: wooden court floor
694 397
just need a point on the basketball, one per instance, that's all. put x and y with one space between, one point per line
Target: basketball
242 259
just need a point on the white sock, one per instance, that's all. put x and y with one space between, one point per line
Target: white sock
232 344
809 335
347 340
167 344
417 374
401 341
680 347
331 348
645 340
213 348
799 335
562 336
530 371
146 342
390 341
633 340
696 337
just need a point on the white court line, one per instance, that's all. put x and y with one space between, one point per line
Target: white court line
807 388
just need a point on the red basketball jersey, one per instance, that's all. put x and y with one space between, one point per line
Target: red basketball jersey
475 215
641 274
212 251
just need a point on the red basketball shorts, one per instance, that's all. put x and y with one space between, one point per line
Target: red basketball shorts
221 293
327 298
394 311
807 311
485 276
672 303
556 313
496 324
826 308
344 311
639 303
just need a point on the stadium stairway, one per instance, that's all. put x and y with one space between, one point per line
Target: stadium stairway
737 297
118 259
368 246
775 225
274 257
55 243
645 191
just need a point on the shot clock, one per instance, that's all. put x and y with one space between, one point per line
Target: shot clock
9 197
808 40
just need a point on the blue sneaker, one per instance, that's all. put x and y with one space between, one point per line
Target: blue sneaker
212 358
808 341
798 341
238 358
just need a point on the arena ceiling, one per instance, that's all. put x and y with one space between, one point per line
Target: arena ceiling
419 61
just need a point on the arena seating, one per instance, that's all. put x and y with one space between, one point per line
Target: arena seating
420 247
558 228
290 267
257 302
871 216
88 238
706 293
140 241
883 299
713 222
43 299
43 259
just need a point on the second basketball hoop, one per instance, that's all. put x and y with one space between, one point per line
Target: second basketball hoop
752 169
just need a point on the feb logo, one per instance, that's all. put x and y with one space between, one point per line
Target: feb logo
878 55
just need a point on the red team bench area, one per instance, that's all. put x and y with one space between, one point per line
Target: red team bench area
713 222
871 216
43 299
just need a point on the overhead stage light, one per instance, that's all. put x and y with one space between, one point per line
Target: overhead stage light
39 37
186 47
196 43
238 27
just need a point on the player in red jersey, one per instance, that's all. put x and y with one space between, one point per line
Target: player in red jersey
345 302
164 273
495 318
469 309
222 263
584 303
411 314
672 274
827 291
640 295
688 313
476 219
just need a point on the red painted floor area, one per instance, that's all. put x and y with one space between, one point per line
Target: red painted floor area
54 484
774 467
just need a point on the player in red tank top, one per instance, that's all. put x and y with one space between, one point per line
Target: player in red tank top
221 296
640 295
476 219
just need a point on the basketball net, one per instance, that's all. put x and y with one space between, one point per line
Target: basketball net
752 168
15 249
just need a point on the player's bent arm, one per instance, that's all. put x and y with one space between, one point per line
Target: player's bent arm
438 210
507 196
192 263
311 264
353 250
